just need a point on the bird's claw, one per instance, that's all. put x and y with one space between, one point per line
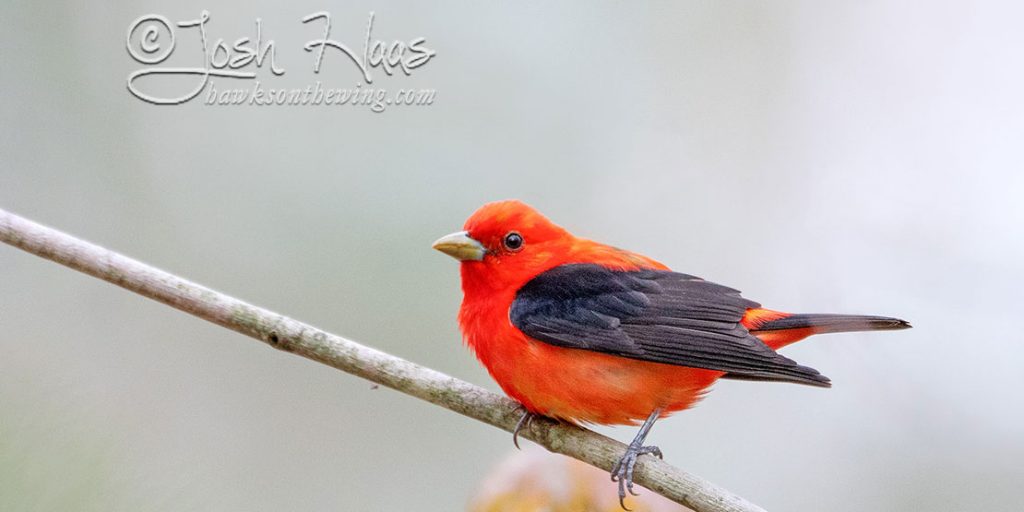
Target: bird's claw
524 422
622 471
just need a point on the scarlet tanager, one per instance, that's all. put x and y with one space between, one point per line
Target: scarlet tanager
588 333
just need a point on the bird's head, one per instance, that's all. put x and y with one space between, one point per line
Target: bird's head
504 244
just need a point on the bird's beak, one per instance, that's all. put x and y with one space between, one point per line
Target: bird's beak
460 246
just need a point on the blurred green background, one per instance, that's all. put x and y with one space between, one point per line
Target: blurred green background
821 156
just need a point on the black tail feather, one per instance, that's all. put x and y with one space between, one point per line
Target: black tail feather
834 323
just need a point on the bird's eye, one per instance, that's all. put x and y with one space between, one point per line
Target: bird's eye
513 241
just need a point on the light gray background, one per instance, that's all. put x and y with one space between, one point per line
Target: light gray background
821 156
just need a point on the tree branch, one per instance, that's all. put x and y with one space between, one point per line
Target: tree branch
307 341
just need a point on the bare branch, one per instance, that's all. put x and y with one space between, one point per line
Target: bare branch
307 341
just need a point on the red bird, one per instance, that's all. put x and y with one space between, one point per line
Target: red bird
588 333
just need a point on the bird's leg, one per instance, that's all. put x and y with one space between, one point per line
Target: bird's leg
523 422
622 471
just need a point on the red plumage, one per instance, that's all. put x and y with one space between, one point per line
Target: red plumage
574 384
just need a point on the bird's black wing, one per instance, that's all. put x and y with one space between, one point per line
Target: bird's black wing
651 315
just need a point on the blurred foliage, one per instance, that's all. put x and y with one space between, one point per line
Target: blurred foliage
535 480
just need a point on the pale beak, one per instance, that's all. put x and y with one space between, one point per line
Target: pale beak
460 246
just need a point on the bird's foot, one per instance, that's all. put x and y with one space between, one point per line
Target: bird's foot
524 422
622 471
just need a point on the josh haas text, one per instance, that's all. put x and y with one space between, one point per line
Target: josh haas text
151 41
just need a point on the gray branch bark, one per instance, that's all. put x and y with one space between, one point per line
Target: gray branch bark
307 341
